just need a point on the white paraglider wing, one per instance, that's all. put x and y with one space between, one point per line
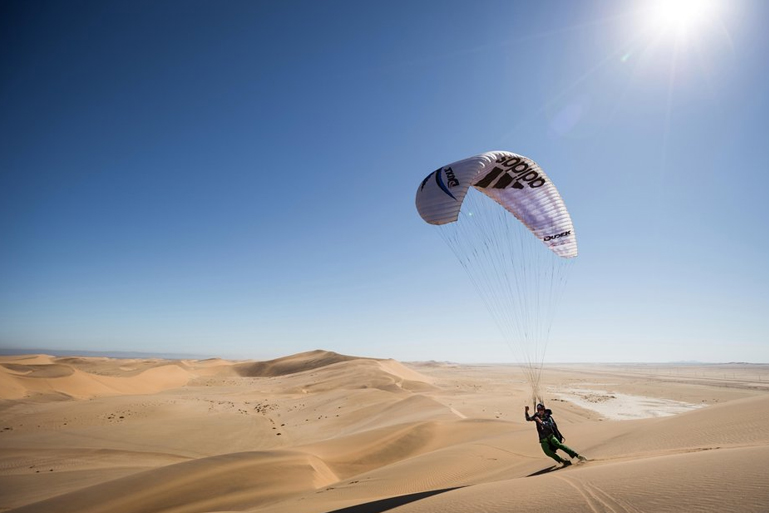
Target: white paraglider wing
515 182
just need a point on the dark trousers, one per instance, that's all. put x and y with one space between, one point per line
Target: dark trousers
551 444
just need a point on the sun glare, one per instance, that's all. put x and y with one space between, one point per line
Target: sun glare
681 15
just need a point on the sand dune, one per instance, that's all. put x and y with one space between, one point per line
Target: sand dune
702 481
62 378
291 364
27 359
323 432
227 481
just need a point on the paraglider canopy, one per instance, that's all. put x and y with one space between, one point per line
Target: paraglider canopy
516 182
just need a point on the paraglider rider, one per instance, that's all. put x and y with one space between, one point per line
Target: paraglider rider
549 437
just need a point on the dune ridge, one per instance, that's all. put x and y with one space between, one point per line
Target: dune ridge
291 364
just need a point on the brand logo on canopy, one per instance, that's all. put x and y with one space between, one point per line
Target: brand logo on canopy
451 180
511 172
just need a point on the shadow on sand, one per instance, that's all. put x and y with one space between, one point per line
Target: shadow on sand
544 471
391 502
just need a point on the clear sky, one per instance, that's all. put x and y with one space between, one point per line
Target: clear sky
238 178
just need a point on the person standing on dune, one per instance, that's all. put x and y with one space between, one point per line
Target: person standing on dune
549 437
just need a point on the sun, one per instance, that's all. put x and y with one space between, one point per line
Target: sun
681 15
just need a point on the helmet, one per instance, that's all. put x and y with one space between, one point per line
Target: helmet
540 406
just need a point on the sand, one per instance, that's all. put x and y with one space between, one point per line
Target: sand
323 432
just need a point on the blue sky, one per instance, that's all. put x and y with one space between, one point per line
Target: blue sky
238 178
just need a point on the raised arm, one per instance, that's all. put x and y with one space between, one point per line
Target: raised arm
532 417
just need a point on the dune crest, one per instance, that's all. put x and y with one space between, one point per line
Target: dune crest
228 481
63 377
291 364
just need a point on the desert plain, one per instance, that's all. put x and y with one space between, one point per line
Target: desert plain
320 432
